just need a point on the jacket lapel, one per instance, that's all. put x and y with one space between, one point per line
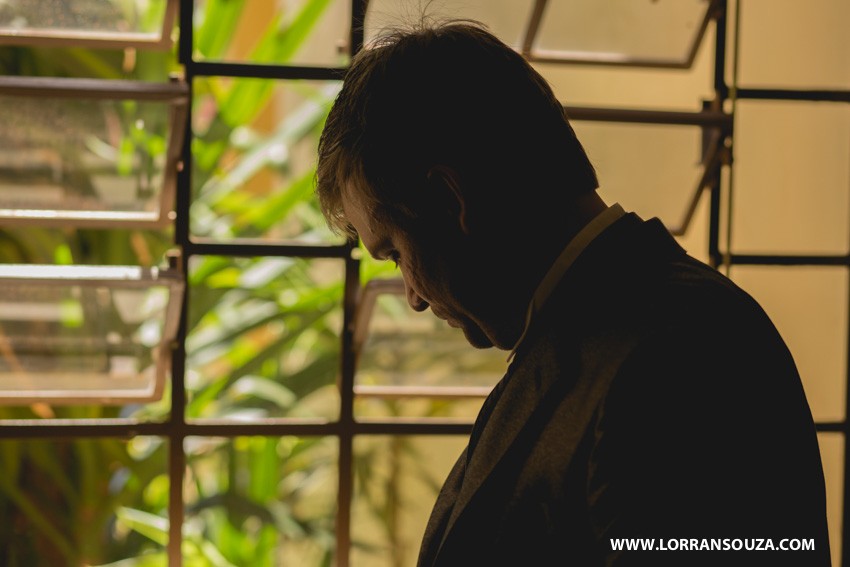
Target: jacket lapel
436 528
519 412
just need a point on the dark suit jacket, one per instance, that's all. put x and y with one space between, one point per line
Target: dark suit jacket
652 398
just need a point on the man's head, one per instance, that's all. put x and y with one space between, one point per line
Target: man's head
445 143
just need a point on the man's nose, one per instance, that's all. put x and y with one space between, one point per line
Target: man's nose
414 300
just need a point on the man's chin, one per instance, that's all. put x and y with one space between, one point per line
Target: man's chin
476 337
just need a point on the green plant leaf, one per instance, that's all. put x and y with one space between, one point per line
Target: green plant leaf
218 24
147 560
264 465
277 45
281 43
276 208
264 389
297 125
149 525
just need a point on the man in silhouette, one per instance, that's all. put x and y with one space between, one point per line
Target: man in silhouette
647 397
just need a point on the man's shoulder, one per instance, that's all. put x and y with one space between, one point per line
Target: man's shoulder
677 307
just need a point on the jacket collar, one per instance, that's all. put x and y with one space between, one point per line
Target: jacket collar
564 261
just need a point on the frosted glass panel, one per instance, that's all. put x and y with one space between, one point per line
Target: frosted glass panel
792 178
507 20
94 334
650 169
809 307
574 85
85 162
593 85
832 457
133 22
793 44
294 32
618 31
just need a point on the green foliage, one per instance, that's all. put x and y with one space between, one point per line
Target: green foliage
60 499
263 332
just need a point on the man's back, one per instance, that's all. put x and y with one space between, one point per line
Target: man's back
652 399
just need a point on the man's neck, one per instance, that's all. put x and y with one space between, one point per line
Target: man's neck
555 236
542 248
585 208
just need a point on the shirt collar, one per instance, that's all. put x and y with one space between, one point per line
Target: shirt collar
564 261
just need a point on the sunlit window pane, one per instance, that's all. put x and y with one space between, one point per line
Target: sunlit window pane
101 23
621 31
76 334
792 44
633 87
260 500
397 480
70 158
83 502
695 241
507 20
264 338
255 158
792 178
294 32
809 307
652 170
832 457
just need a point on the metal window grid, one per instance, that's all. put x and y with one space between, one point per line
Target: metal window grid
346 428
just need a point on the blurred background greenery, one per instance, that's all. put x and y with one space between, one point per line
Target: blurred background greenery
263 333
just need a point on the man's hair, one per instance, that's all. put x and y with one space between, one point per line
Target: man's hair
453 95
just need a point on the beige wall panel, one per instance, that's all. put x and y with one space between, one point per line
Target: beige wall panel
505 18
795 44
650 169
662 89
832 456
671 89
809 307
622 29
695 240
791 178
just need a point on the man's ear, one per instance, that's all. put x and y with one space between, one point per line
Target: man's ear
447 181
